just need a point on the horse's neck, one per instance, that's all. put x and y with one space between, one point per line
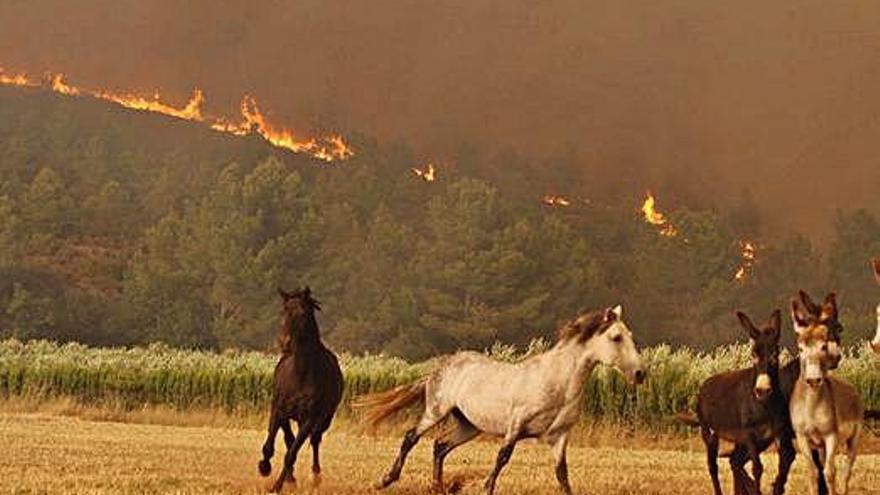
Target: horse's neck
573 363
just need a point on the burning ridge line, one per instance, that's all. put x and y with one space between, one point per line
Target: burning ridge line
327 148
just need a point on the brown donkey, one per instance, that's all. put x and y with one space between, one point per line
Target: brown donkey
307 389
748 408
803 308
826 412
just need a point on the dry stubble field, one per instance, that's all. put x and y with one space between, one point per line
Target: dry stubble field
54 454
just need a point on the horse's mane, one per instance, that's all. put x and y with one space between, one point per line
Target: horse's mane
584 327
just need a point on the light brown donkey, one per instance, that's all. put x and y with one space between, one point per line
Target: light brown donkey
826 412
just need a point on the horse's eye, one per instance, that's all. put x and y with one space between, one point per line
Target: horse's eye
617 338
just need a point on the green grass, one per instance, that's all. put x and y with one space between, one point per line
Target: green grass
241 381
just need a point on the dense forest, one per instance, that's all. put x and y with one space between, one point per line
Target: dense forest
119 227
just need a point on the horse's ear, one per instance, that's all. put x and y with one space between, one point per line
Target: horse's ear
808 303
798 317
613 314
829 308
747 324
775 322
307 292
875 263
284 295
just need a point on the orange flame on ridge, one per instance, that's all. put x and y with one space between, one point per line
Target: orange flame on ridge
554 200
749 254
428 174
654 217
328 148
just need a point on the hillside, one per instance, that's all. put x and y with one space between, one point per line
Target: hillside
123 227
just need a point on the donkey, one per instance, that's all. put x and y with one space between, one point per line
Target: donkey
826 412
875 344
307 388
540 397
748 407
803 307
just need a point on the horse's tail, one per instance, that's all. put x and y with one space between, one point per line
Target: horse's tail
688 418
872 414
382 405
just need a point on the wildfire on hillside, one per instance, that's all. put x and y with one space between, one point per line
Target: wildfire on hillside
555 200
749 254
428 173
328 148
655 217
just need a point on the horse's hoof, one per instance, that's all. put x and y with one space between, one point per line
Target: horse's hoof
316 479
384 483
265 468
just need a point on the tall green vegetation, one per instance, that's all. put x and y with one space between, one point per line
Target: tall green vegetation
241 381
119 228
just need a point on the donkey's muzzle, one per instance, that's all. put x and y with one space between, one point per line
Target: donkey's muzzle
815 382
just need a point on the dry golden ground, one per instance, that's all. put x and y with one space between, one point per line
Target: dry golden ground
43 453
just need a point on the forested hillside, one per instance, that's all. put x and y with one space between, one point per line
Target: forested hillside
119 227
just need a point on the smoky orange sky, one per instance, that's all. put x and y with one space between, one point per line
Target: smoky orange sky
781 97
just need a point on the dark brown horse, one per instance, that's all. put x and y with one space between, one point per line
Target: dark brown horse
308 386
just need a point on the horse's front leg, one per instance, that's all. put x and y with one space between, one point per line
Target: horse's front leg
787 454
289 439
265 465
290 457
757 466
830 465
803 446
559 449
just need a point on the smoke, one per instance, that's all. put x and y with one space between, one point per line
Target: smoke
690 98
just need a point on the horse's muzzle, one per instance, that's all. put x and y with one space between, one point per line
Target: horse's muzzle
639 376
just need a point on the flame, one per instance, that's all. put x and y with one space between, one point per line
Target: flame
59 86
749 254
428 174
553 200
15 79
327 148
654 217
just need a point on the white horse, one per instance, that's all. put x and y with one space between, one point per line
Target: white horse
876 342
540 397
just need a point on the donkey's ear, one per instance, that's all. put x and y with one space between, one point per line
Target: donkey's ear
798 317
284 295
307 292
808 303
747 324
829 308
875 263
775 322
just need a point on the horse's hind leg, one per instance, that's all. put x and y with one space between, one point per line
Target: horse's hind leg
711 441
430 417
462 432
846 468
315 441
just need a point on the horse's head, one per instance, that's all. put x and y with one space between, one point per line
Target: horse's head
815 352
298 313
805 312
875 344
607 338
765 351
